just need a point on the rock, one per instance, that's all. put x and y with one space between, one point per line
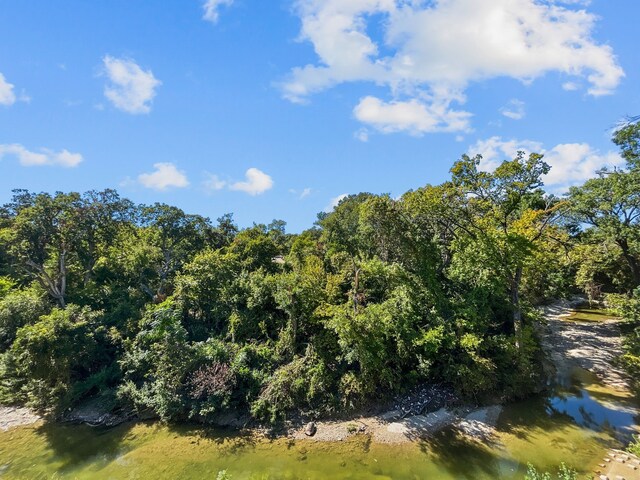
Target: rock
230 420
311 429
391 416
420 425
96 413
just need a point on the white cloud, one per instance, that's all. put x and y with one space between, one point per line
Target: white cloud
570 86
430 52
127 182
514 110
571 163
7 96
334 202
575 163
44 157
301 195
413 116
213 182
211 8
166 175
131 89
362 134
257 182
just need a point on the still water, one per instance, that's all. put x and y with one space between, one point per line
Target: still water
576 425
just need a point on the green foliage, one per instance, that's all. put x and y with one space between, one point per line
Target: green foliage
6 284
156 363
634 446
19 308
223 475
564 473
170 315
625 306
302 383
50 355
610 205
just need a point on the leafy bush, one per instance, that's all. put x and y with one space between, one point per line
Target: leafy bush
564 473
17 309
627 307
52 354
302 383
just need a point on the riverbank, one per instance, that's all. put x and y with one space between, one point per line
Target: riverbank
578 424
12 417
593 347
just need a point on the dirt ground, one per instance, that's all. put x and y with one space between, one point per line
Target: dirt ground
593 346
11 417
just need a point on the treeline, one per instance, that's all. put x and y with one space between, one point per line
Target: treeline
172 315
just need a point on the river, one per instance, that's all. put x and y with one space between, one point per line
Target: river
575 424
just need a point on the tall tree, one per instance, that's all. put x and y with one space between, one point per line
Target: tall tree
610 203
176 237
44 238
503 213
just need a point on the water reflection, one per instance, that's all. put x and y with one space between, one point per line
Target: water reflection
594 407
575 423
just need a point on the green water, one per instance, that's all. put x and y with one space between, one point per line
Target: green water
589 314
576 425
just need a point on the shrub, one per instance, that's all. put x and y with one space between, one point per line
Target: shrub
564 473
17 309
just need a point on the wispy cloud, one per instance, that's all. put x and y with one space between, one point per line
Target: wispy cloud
212 9
514 109
43 157
7 95
428 70
334 202
213 182
130 88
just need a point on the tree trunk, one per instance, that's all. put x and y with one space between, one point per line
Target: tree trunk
355 290
631 260
515 304
63 278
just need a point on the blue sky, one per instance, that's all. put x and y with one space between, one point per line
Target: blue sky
273 109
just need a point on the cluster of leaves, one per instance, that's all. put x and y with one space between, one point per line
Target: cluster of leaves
177 317
564 473
634 446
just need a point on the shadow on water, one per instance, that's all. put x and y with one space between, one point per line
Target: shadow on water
228 442
461 457
575 423
76 445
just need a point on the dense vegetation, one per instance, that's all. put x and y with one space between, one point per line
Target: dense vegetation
169 314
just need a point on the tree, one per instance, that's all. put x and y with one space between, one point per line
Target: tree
609 205
176 237
51 237
50 355
19 308
44 238
502 215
